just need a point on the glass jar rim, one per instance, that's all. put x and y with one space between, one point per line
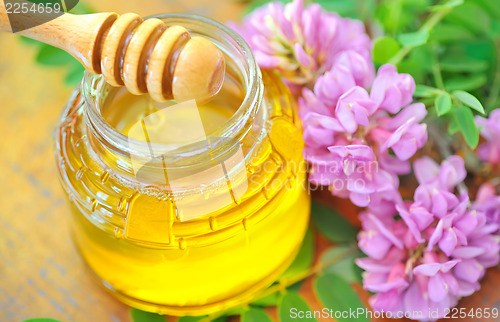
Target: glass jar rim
235 127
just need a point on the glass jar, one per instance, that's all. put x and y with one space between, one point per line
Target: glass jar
199 221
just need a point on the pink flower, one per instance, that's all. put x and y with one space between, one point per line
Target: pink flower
340 114
353 109
303 43
361 68
488 202
351 171
450 231
490 131
404 139
444 177
333 84
435 252
432 294
376 238
392 91
312 48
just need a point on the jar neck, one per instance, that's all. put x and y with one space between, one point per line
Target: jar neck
241 65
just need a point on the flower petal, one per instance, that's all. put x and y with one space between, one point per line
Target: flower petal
437 288
468 270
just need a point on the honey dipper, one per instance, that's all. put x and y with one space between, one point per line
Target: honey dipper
146 56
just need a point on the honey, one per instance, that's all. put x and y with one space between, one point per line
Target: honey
200 226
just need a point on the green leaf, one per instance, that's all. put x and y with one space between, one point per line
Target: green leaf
426 91
230 312
491 7
274 298
443 104
417 63
448 32
81 9
495 31
289 306
392 16
345 267
190 318
30 41
469 100
416 4
463 64
52 56
270 300
453 3
358 272
255 315
345 8
453 127
220 319
41 320
493 105
199 318
384 48
414 68
414 39
466 83
304 258
365 10
466 125
295 287
142 316
480 49
471 16
333 226
336 294
75 74
423 55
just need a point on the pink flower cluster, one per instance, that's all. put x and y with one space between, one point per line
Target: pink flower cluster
303 43
490 130
358 142
359 129
426 254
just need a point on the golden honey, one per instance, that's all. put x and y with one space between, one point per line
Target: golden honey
203 225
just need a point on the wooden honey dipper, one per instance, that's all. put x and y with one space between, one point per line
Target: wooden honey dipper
143 55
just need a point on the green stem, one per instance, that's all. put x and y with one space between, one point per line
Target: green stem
396 7
284 284
436 70
431 22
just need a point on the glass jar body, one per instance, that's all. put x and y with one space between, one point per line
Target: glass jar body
202 265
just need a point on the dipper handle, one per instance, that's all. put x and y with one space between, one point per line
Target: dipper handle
145 56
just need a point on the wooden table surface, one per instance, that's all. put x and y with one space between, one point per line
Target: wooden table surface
41 274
